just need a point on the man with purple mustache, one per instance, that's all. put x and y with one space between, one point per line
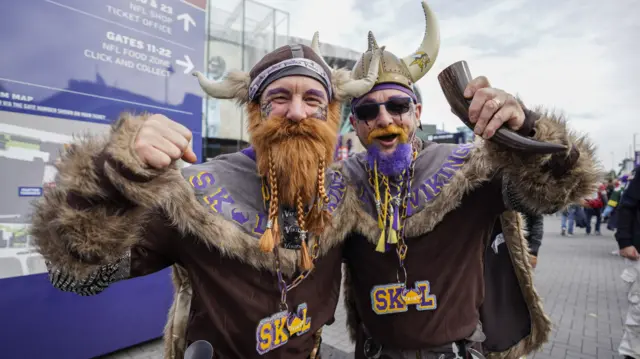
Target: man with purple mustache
423 278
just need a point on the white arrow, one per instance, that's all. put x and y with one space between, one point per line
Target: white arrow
188 65
187 20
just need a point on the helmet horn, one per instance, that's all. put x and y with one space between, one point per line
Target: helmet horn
357 88
315 46
236 85
354 88
372 43
420 62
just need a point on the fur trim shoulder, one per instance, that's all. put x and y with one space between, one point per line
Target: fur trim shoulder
543 184
195 205
84 222
185 200
450 172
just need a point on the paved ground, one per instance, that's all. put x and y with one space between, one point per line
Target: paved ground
579 281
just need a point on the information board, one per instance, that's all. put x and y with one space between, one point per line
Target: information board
69 67
92 60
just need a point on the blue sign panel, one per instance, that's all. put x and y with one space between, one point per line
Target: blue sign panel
29 191
92 60
84 60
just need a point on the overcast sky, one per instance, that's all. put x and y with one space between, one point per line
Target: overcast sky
578 57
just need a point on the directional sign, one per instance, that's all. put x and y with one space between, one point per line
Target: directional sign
91 60
188 20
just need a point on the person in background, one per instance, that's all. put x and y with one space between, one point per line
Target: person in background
534 229
534 225
350 150
568 220
593 208
611 186
614 198
628 234
628 238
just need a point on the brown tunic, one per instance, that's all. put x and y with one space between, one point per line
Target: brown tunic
458 193
110 218
230 298
450 258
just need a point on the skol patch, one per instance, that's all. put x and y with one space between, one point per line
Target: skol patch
395 298
275 331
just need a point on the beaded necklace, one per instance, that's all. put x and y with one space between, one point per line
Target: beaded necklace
315 250
275 330
392 214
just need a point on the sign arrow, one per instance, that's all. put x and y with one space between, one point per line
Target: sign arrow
187 19
188 65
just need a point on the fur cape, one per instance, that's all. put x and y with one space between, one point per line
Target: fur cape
537 184
105 196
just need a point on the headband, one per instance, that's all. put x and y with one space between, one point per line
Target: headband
307 64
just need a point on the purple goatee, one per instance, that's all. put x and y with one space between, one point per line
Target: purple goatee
391 164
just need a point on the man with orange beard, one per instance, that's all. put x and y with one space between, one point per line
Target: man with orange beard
431 288
254 237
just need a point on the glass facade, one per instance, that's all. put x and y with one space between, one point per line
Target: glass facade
239 33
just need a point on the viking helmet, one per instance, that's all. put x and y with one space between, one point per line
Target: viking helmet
290 60
409 69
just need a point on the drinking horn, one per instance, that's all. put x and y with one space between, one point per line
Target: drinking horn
454 80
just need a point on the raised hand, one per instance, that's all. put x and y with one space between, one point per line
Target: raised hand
161 141
490 108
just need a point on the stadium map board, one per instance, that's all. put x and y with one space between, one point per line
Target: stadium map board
73 66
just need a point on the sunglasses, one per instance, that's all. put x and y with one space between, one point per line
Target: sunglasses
369 111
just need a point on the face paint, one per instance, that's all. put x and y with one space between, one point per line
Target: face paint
265 110
321 113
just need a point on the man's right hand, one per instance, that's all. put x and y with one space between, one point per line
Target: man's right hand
630 252
161 141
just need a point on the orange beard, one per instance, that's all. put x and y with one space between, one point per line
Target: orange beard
296 150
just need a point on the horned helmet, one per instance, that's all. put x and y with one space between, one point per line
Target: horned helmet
409 69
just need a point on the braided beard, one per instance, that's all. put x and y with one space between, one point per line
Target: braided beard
296 149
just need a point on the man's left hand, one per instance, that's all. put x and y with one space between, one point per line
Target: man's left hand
490 108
